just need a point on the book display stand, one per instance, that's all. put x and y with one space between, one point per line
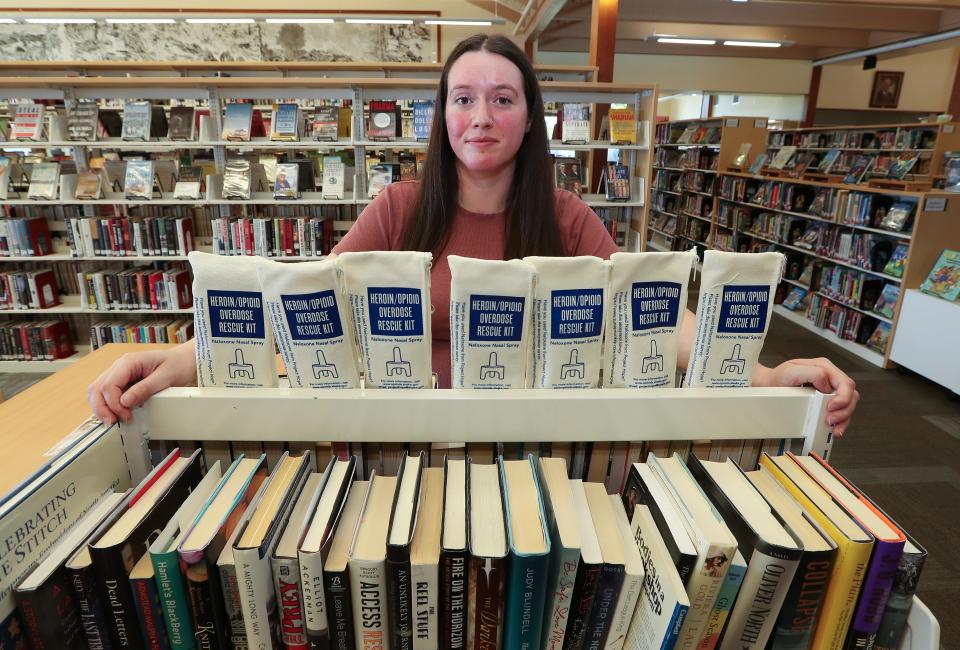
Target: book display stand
793 414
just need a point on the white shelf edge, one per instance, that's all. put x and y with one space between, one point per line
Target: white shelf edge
13 367
861 351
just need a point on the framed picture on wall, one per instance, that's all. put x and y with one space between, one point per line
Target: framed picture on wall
886 89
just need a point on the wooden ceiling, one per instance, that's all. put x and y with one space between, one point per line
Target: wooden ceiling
810 29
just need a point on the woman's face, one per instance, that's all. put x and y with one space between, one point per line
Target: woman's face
486 111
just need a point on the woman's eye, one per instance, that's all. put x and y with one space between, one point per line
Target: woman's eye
503 99
461 99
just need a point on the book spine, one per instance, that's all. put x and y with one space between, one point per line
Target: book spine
369 591
901 599
425 579
93 619
314 602
624 611
237 632
202 598
601 614
286 581
764 588
485 602
802 606
525 596
399 597
721 609
174 600
563 573
874 595
256 597
584 590
117 597
336 586
148 613
50 616
453 599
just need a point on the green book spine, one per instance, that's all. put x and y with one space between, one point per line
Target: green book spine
174 602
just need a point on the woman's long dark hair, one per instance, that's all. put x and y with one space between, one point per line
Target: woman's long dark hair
531 223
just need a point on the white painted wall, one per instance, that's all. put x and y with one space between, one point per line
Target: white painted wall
776 107
683 106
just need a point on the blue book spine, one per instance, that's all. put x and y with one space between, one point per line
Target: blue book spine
679 616
525 598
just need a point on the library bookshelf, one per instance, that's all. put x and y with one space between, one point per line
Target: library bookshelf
929 140
688 157
309 85
795 415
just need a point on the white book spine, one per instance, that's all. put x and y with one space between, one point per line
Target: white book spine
762 593
425 579
368 594
286 582
256 595
623 612
559 593
314 602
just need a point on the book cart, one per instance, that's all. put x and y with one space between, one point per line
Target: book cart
365 83
219 415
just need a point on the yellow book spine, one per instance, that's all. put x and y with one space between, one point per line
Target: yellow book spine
846 579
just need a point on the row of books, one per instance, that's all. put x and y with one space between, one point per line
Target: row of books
136 288
853 166
130 236
694 553
848 324
687 158
44 340
273 237
576 126
168 331
667 133
905 137
24 237
33 289
570 175
241 177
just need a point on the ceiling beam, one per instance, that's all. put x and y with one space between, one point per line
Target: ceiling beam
782 14
650 47
541 18
499 9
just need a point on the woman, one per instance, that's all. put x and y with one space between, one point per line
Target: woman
487 193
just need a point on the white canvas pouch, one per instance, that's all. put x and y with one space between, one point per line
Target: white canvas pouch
489 322
648 299
568 315
311 323
389 295
733 315
234 344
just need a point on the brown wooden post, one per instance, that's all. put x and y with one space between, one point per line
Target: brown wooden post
811 108
603 46
528 48
954 106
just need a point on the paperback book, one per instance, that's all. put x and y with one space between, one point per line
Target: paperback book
82 119
783 157
236 179
568 175
333 178
284 123
189 183
887 301
325 123
28 122
89 185
285 185
422 118
897 260
617 182
576 124
623 126
828 160
944 278
382 124
181 125
742 155
44 179
136 120
758 163
237 121
138 183
859 169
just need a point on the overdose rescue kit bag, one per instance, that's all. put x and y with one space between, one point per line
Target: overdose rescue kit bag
648 298
736 296
311 323
568 316
234 345
489 322
389 295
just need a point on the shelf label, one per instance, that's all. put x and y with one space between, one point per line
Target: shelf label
731 121
760 124
948 128
935 204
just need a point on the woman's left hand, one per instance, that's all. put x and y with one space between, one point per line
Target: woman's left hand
822 375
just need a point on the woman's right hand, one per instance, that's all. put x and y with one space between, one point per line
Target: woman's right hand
136 376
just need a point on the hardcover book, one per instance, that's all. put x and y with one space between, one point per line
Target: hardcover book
576 124
138 182
887 302
189 183
425 561
859 169
336 573
568 175
758 163
454 555
617 182
612 573
44 181
944 278
422 118
783 157
174 597
487 571
898 216
828 160
561 517
28 122
284 123
382 124
633 578
379 175
898 259
589 568
82 119
368 567
285 185
89 185
236 179
136 120
623 126
325 123
529 545
181 126
742 155
403 518
238 121
903 164
951 168
333 177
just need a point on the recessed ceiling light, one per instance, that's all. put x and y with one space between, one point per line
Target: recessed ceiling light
687 41
220 21
141 21
441 21
753 43
306 21
60 21
7 21
379 21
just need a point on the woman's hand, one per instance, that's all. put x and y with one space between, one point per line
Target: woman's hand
136 376
822 375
